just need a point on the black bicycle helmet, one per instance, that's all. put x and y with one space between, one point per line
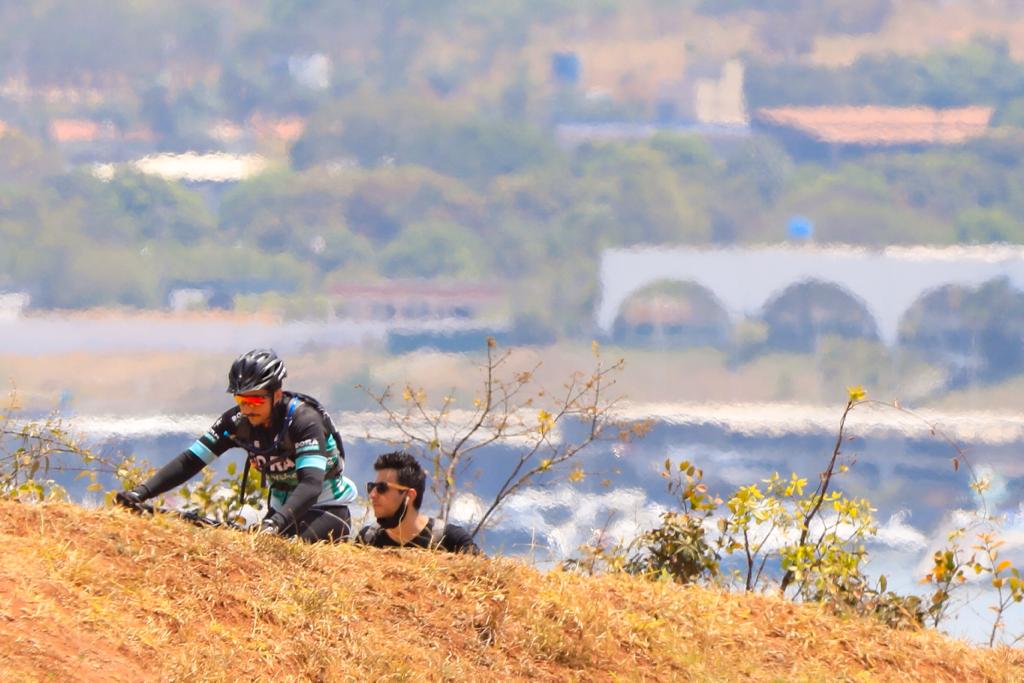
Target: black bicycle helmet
255 370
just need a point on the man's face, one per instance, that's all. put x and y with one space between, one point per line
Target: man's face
386 504
257 406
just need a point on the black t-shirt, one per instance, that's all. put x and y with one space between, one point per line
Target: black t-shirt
455 539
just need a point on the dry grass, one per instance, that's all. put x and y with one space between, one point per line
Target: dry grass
103 595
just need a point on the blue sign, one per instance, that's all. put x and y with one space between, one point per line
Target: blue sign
566 67
800 228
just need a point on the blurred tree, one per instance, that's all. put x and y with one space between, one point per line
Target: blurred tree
163 210
406 130
940 181
242 268
761 166
645 200
981 71
980 225
156 113
690 155
92 210
304 217
1011 113
94 42
77 275
436 249
25 161
854 205
384 200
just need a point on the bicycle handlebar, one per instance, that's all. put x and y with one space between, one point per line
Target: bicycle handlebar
190 516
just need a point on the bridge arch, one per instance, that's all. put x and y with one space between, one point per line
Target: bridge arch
672 312
804 311
974 332
887 280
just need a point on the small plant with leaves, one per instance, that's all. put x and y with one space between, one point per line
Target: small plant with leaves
811 542
221 498
604 554
510 409
680 548
35 454
949 570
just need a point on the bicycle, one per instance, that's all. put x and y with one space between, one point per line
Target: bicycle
190 516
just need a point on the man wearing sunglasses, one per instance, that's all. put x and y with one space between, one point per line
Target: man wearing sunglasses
290 440
396 495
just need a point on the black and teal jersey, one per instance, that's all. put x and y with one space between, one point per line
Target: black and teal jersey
296 439
300 455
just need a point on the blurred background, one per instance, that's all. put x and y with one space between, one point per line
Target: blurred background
753 203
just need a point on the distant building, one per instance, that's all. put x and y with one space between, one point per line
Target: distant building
13 304
704 99
199 299
21 91
194 167
709 93
417 300
89 140
720 100
831 132
569 135
66 131
626 69
259 129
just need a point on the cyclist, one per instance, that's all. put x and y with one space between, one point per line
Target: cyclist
290 440
401 480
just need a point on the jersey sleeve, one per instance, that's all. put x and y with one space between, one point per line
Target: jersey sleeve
189 462
217 439
307 432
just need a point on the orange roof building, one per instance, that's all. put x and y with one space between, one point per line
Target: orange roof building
80 130
814 129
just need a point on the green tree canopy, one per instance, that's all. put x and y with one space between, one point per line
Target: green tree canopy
436 249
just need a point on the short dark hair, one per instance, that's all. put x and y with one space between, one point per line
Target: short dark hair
410 472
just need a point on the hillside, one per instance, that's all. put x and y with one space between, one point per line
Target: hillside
102 595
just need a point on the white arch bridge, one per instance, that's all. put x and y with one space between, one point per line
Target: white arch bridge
886 281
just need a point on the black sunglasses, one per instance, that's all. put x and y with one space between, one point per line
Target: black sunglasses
383 486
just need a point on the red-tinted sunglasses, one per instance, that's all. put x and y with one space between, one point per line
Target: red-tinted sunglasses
251 400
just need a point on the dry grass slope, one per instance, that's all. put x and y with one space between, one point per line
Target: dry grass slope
102 595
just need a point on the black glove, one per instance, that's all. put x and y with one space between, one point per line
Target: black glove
133 498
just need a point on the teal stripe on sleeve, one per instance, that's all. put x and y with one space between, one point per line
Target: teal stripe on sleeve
201 451
346 487
317 461
341 490
313 448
